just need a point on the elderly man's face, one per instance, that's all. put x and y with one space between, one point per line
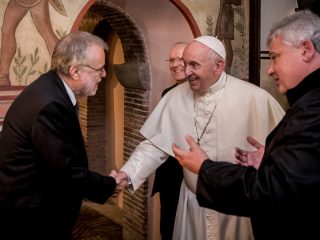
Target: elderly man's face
199 66
176 62
91 73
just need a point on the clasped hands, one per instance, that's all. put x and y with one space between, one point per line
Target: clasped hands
122 181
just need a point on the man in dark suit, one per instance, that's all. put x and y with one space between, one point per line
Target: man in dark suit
169 175
44 172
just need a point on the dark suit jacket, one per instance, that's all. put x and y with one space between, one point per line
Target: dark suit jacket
167 182
43 165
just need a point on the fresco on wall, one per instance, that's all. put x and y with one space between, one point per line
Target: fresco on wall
225 27
227 20
29 32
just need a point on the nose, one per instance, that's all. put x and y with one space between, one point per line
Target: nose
103 73
187 71
270 69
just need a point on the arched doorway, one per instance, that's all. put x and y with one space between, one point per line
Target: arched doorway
135 67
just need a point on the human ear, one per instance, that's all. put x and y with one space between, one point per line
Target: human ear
220 64
74 72
308 50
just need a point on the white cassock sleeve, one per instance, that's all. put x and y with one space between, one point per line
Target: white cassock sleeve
145 159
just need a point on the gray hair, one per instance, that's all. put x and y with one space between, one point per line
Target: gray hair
71 50
296 28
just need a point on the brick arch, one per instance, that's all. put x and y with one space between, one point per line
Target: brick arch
133 46
134 76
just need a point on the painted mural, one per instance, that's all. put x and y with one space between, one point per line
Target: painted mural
228 20
30 35
29 32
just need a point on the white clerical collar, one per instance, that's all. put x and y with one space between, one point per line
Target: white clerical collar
70 93
220 83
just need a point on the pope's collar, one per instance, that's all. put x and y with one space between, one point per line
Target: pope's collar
217 85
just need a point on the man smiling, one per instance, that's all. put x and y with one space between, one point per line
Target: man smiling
282 196
219 110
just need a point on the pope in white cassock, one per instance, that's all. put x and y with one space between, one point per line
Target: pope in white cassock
218 110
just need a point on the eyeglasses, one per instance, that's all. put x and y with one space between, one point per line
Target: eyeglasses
99 70
173 60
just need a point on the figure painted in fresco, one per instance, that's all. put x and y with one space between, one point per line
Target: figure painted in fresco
225 27
14 13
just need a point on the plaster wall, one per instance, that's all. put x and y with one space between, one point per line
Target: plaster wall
271 13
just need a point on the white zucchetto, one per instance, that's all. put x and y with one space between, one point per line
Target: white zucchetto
213 43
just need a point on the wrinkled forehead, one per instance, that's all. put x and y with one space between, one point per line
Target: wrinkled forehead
196 50
177 51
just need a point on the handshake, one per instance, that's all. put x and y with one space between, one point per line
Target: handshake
122 180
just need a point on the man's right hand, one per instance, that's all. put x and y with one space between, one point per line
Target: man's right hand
122 179
193 159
